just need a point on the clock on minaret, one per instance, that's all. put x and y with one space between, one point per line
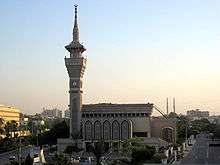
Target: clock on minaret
75 65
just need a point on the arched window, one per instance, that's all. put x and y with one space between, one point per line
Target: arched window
106 130
88 130
167 134
115 130
125 130
97 130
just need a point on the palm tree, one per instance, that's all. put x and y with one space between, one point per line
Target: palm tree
11 127
98 150
2 122
8 129
2 131
75 136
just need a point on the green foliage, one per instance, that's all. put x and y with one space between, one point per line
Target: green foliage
172 115
202 125
129 144
158 157
143 152
71 149
98 149
60 159
216 132
182 123
193 127
7 144
60 130
10 128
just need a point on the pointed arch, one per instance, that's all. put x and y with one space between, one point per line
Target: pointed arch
106 130
88 130
97 130
115 130
125 130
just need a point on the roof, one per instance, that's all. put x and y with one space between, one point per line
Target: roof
108 107
8 108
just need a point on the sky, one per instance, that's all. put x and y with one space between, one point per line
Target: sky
137 52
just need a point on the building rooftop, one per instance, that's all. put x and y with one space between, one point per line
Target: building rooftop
8 108
109 107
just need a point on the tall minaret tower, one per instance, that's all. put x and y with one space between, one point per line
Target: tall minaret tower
75 65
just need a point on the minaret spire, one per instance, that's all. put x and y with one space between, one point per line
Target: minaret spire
75 47
75 28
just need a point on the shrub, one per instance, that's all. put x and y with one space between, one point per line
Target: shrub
144 152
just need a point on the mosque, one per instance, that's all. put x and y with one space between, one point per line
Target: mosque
109 122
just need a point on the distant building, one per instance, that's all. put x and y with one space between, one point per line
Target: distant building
67 114
197 114
23 119
8 113
51 113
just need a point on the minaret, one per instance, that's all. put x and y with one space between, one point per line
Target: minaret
75 65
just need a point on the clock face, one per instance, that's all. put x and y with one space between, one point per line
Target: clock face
74 83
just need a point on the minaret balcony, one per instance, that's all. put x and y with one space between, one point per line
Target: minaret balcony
75 61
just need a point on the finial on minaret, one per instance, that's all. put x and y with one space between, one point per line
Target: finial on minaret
75 28
76 12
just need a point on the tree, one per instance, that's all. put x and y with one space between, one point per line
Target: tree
172 115
2 131
216 132
11 127
129 144
143 152
28 160
60 159
98 149
75 137
202 125
60 130
70 149
182 124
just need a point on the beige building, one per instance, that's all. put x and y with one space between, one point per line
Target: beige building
8 113
115 121
51 113
197 114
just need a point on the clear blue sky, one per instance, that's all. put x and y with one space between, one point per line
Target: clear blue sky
142 51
